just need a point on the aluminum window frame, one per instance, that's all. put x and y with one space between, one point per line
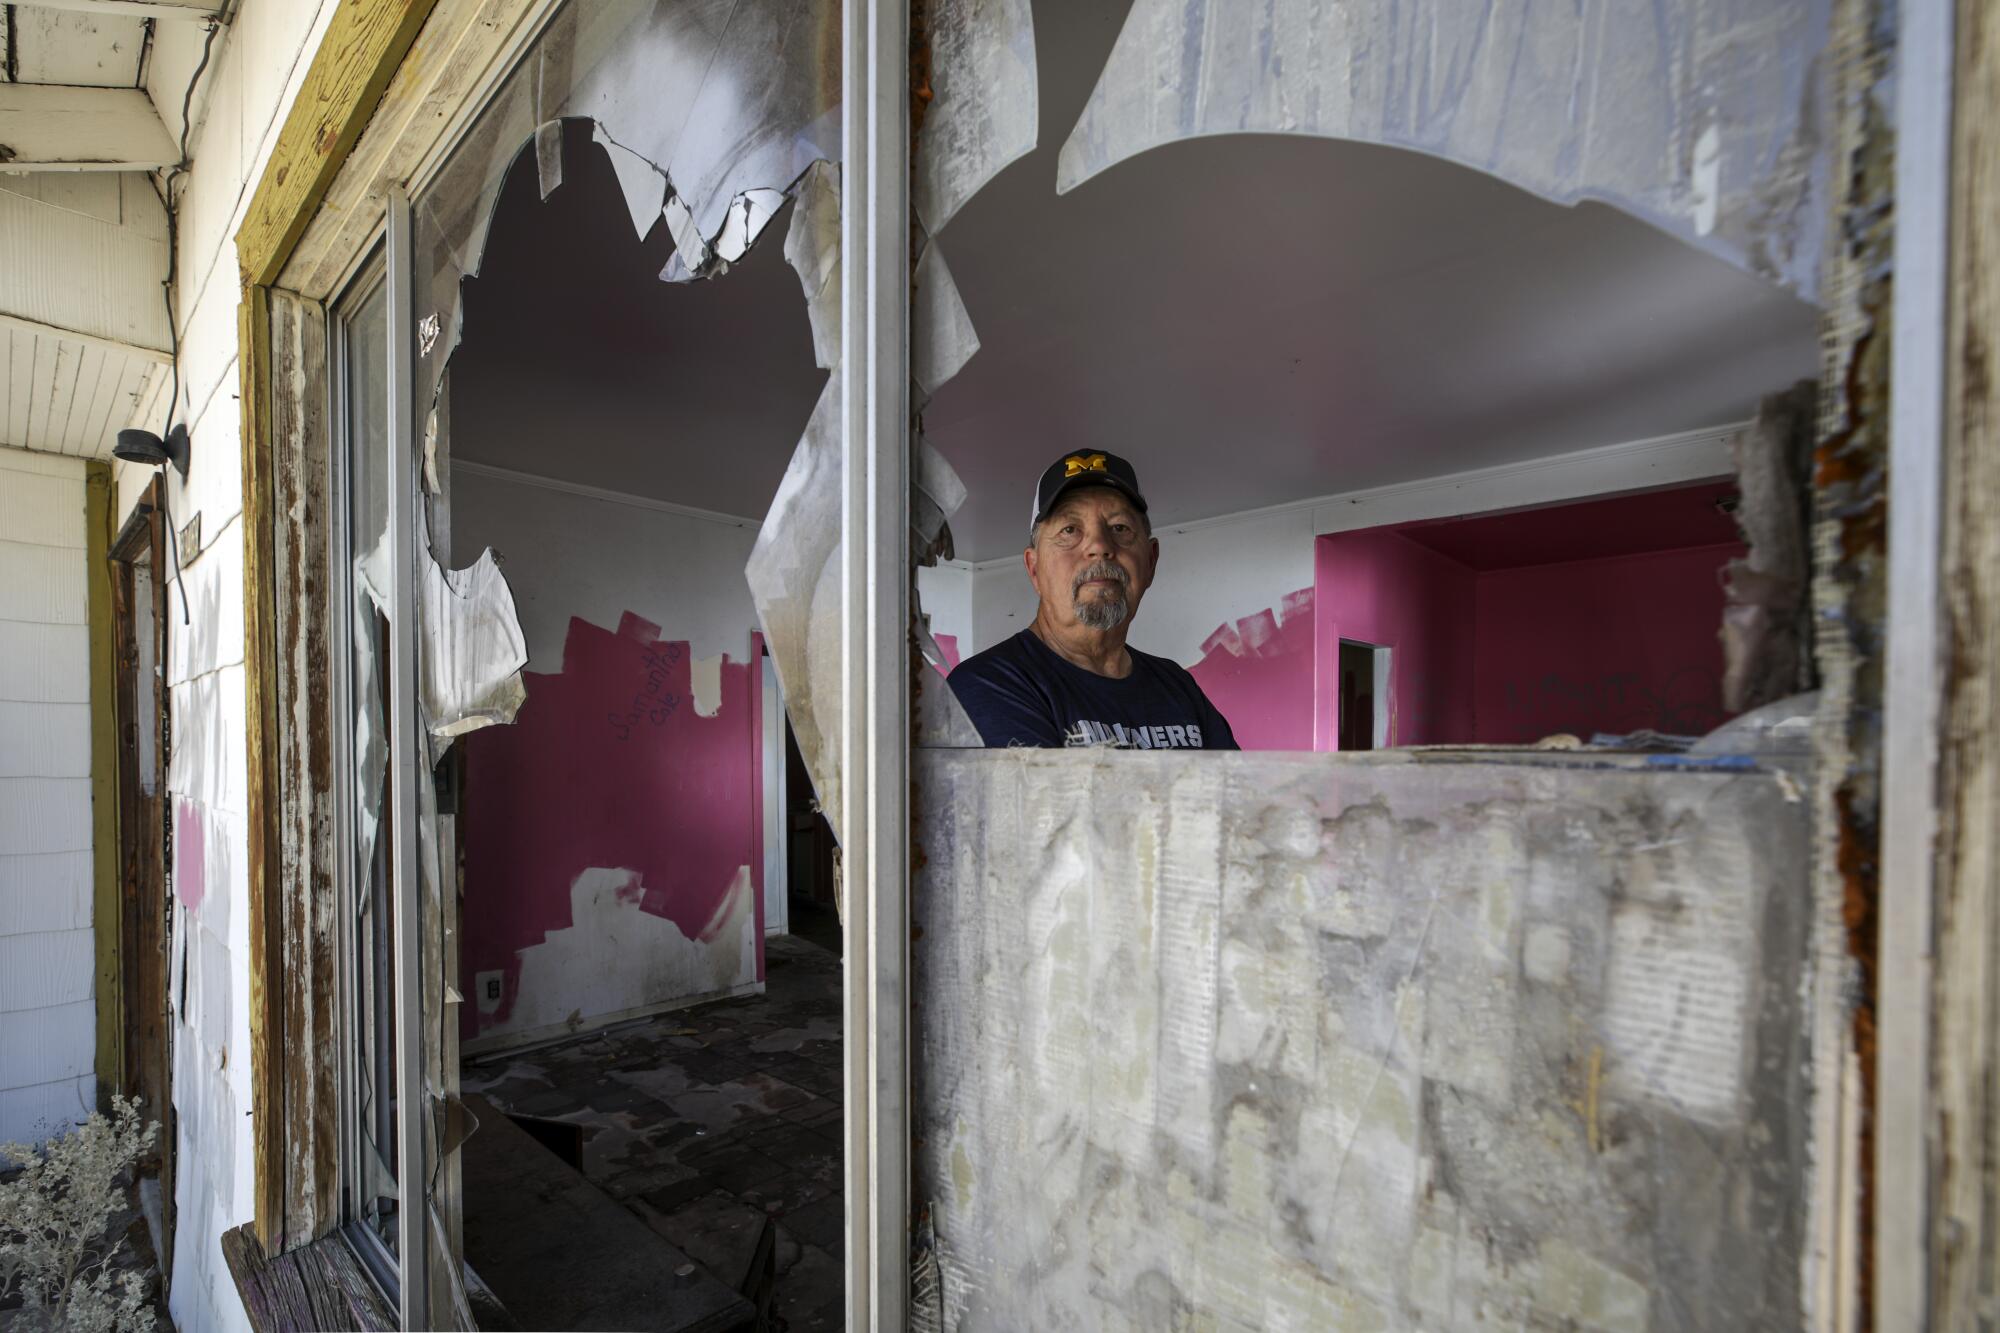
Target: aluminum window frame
402 1274
355 291
875 571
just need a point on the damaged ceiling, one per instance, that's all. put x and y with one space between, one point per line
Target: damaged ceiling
690 393
1325 315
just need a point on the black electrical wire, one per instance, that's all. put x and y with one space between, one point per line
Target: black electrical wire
170 202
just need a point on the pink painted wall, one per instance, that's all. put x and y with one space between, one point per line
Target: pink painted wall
1258 672
608 765
190 855
1378 587
1610 644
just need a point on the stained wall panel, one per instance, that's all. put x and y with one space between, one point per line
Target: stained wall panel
1313 1041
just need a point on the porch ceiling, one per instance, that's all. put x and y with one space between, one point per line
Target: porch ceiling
83 246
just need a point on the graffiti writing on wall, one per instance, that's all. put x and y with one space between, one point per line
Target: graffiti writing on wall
652 703
1682 702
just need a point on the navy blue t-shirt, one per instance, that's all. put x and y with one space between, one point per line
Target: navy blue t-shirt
1022 692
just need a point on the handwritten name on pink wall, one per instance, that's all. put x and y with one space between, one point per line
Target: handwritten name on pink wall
608 765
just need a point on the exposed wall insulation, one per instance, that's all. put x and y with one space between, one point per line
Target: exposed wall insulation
48 1024
1299 1041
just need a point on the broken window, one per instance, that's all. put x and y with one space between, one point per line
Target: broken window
361 393
687 139
1257 1039
1235 261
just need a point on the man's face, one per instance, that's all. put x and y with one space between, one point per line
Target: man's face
1092 560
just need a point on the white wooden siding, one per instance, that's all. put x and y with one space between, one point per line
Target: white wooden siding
47 1011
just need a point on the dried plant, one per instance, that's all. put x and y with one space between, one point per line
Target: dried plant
54 1252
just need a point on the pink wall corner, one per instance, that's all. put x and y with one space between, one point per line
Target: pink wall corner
607 765
1377 587
1258 671
1612 644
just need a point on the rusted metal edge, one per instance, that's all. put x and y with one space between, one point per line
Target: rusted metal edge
1850 504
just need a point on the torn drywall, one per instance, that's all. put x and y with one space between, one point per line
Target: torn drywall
983 112
710 119
643 184
794 571
1703 118
812 248
794 577
942 338
615 960
472 648
1767 624
1259 670
1298 1041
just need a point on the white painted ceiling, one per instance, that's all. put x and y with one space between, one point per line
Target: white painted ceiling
1250 320
99 236
92 50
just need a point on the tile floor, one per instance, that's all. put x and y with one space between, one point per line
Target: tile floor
706 1121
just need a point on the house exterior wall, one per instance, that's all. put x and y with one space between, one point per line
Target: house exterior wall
47 1015
240 103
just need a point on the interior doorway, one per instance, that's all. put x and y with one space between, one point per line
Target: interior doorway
811 855
1364 695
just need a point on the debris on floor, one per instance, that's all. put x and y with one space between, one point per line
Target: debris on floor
708 1122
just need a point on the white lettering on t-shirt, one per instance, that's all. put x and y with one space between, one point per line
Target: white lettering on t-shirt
1177 737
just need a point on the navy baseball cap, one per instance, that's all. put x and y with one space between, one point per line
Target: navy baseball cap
1085 467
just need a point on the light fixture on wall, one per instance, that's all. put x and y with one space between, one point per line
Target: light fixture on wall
149 450
142 446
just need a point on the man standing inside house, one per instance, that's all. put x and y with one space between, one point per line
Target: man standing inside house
1069 679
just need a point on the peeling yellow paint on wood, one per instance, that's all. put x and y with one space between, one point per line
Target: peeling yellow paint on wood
360 53
106 918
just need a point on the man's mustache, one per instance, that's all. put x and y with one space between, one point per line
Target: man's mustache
1103 569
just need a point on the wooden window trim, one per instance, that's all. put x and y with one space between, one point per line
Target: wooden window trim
390 85
359 55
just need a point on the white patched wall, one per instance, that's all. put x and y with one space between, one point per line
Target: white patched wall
48 1029
239 106
599 556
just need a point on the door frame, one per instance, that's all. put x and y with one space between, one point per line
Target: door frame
139 703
